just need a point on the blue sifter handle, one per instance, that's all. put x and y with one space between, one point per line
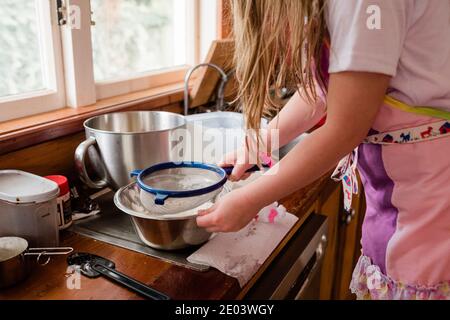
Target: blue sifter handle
135 173
160 199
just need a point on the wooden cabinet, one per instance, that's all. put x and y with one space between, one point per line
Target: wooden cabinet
343 249
330 207
349 247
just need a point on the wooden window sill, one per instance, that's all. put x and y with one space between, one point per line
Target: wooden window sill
24 132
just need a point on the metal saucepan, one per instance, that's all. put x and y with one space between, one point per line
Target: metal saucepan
118 143
15 259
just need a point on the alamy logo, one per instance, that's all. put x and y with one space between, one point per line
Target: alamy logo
73 275
74 17
373 22
70 16
374 280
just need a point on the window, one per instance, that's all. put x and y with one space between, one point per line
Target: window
30 66
22 69
138 36
57 53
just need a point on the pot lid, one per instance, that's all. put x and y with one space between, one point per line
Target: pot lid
22 187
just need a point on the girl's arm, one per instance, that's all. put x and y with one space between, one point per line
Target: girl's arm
297 117
354 99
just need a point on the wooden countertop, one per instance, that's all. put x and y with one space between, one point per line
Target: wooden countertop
50 282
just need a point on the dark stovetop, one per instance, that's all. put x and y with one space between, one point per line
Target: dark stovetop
115 227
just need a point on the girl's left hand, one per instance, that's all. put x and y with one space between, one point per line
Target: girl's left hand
231 213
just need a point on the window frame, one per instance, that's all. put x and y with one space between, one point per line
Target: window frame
74 82
122 85
201 37
52 97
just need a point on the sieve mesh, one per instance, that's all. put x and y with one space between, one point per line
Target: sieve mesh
170 188
181 179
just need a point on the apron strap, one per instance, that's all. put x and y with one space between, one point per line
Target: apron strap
346 172
424 111
430 131
346 169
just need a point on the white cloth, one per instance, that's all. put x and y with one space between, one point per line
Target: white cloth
412 45
241 254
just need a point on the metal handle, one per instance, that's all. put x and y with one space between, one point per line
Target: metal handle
320 254
47 252
348 216
80 164
188 77
130 283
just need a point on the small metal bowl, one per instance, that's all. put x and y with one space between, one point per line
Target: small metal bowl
163 232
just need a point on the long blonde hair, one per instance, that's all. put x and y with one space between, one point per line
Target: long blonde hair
278 44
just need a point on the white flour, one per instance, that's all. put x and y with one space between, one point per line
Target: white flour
185 214
130 198
179 182
180 179
241 267
11 247
241 254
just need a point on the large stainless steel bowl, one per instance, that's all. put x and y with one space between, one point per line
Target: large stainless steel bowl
119 143
164 232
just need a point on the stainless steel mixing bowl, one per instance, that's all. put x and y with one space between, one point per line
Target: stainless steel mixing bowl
118 143
164 232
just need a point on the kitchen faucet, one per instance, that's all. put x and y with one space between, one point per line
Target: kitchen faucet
220 91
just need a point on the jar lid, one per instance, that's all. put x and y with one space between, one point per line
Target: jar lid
62 183
21 187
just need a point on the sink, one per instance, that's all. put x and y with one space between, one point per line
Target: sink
218 120
215 134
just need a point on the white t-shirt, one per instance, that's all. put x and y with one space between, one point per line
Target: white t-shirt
406 39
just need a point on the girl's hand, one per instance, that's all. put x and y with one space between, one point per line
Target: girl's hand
231 213
240 160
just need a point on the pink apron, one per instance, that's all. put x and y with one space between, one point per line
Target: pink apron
405 169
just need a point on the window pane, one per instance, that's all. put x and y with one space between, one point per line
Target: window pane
134 36
20 57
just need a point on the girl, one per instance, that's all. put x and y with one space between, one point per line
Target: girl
386 60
